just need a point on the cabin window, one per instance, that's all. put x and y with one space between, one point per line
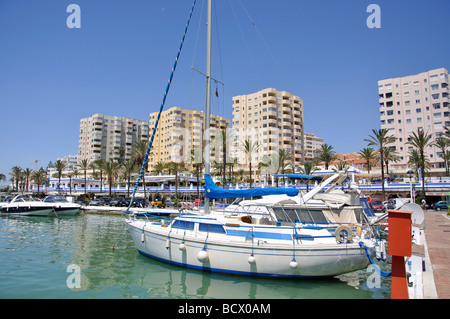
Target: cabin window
299 215
211 228
182 224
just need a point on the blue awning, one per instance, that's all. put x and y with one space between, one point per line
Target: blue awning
213 191
300 176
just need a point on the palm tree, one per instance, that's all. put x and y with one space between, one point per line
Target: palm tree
367 154
112 171
159 167
241 173
27 176
2 177
16 173
40 178
442 143
225 136
341 166
84 165
139 151
127 170
381 139
60 166
249 147
197 160
420 141
390 155
283 156
327 155
70 175
173 166
446 157
100 164
414 161
307 169
121 154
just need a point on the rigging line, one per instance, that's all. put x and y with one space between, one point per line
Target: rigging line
195 54
246 45
265 44
220 108
314 129
161 108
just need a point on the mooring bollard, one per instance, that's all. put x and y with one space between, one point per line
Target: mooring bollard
399 224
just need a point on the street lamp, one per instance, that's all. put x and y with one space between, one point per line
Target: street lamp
410 174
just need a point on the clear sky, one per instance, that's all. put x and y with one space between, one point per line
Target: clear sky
119 61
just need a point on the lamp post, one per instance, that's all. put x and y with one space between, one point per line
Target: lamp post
410 174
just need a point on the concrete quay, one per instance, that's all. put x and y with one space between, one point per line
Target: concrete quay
437 255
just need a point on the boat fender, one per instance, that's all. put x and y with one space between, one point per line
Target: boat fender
142 237
182 247
251 259
380 250
343 232
202 255
293 264
167 243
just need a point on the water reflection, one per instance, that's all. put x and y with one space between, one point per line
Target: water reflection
51 244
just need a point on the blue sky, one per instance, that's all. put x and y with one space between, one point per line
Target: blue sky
119 61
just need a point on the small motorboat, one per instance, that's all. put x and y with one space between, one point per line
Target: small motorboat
27 205
62 206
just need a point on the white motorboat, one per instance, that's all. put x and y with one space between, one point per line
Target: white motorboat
27 205
61 206
289 244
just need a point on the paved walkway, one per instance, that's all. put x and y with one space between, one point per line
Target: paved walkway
437 235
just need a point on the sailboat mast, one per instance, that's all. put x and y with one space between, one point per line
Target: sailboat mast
208 98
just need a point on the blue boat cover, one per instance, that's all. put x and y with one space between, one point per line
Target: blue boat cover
366 206
213 191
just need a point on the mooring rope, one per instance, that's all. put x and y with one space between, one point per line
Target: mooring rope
375 266
161 109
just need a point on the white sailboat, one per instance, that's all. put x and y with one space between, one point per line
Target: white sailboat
252 244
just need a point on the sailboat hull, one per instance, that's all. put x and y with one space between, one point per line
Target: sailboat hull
227 256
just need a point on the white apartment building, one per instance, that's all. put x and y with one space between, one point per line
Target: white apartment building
312 145
109 137
412 102
273 119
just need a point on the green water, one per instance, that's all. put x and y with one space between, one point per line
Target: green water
35 253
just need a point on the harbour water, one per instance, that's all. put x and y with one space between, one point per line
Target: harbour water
39 257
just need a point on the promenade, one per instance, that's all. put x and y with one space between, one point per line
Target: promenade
437 234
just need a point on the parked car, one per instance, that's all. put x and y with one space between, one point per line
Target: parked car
80 200
390 204
115 201
96 202
106 200
440 205
170 202
140 202
124 202
377 205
